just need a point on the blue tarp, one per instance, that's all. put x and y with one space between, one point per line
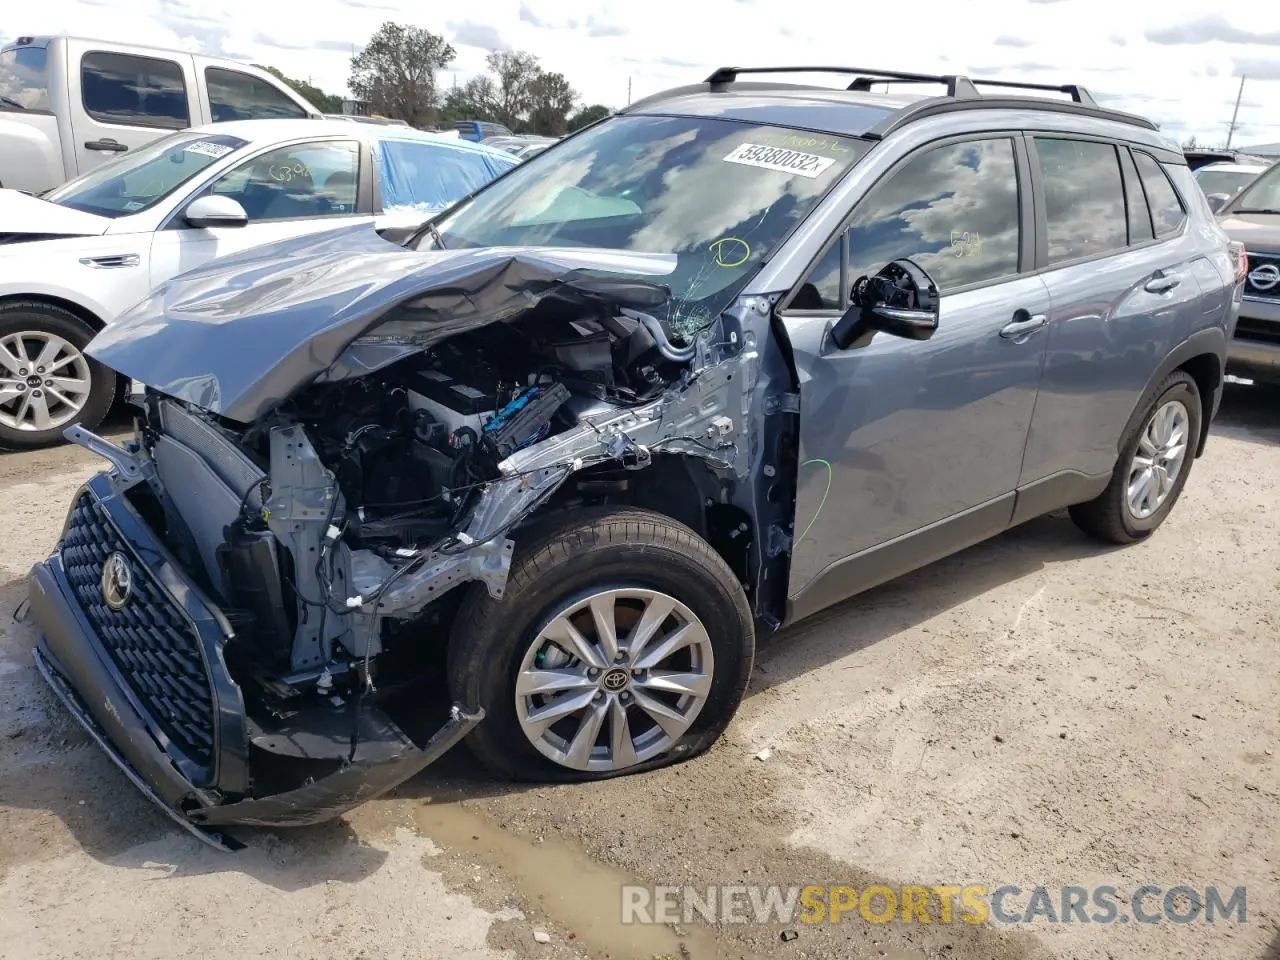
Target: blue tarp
432 174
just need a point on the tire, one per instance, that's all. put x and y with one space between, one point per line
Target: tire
26 328
563 562
1110 517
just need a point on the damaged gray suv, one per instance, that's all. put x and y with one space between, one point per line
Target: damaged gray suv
539 477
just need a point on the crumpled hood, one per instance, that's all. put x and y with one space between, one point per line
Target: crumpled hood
22 213
239 336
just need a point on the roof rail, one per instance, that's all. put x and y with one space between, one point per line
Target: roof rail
957 86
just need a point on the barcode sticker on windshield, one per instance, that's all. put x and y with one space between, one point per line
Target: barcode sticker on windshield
207 149
780 159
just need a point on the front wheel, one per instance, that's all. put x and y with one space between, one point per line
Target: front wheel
1152 468
47 382
622 642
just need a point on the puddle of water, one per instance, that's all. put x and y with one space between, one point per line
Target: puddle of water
576 892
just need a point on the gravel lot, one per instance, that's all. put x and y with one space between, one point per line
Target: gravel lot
1035 711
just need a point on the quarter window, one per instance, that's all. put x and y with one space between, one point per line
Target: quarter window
238 96
304 180
1136 201
1084 198
1166 209
134 91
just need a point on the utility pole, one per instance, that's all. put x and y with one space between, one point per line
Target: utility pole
628 91
1231 131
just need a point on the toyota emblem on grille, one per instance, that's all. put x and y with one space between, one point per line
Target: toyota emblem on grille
117 581
1265 277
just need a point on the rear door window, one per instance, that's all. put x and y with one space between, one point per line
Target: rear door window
1166 209
1084 198
239 96
133 91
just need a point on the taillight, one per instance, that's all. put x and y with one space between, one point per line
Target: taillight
1242 260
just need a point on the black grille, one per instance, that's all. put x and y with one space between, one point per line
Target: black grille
1272 292
152 643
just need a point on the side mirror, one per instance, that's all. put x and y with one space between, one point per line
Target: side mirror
901 300
215 211
1217 201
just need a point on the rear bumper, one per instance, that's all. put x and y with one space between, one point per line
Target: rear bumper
85 676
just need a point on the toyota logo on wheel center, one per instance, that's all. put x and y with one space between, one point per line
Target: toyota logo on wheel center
1265 277
615 680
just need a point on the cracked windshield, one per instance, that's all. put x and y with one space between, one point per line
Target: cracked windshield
719 194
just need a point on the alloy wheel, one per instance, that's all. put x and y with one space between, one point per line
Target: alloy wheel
1161 453
614 679
44 381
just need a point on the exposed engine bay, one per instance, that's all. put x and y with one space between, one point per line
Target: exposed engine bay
314 509
411 445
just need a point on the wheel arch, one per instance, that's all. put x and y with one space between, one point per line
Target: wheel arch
79 310
1201 356
683 488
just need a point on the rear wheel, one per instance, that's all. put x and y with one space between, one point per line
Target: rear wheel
47 382
1152 468
622 642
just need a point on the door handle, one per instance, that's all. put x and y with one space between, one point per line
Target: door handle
1023 325
106 144
1162 282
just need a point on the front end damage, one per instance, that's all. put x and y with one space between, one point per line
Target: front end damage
248 611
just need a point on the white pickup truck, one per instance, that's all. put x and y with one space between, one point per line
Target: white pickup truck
68 104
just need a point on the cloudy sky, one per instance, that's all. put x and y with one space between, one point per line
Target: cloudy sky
1172 60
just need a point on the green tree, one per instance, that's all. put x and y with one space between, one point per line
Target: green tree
396 72
475 100
514 73
324 102
551 100
587 116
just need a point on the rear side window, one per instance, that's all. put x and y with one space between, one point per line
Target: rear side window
952 209
134 91
1084 198
1136 201
238 96
1166 209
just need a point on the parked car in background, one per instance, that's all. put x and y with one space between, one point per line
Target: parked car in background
548 471
352 118
1253 217
478 130
68 105
525 151
71 261
1222 181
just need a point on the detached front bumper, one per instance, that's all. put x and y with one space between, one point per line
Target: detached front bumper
151 686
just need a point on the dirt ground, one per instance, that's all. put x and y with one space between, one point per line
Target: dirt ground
1036 711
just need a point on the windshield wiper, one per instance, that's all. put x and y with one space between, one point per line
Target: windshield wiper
435 235
10 102
1257 210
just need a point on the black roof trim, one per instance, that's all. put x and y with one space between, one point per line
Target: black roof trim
935 106
962 94
957 86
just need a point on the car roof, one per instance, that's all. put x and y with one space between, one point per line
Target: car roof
259 132
857 111
1234 167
